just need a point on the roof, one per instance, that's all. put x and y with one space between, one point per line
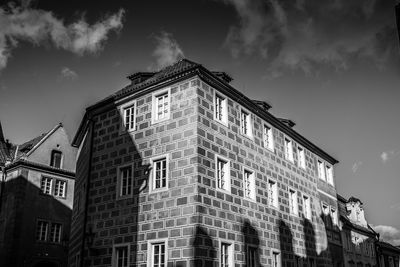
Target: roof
387 245
4 148
48 168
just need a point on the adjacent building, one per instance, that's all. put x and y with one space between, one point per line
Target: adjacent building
36 200
179 168
389 255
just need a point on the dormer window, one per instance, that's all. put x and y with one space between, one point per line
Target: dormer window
56 158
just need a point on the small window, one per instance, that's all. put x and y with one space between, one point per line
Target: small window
334 216
56 157
125 181
321 170
252 256
276 259
120 256
220 108
272 193
326 213
329 174
55 233
60 188
245 123
306 207
160 173
293 202
301 157
46 185
223 174
249 184
226 255
288 149
42 230
268 137
158 254
129 117
161 106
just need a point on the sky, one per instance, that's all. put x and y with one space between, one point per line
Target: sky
331 66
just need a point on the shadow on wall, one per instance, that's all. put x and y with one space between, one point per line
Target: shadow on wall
204 254
22 205
251 244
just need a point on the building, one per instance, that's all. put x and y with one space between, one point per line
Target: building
180 168
358 238
36 200
389 255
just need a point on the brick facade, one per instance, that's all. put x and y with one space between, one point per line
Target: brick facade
193 217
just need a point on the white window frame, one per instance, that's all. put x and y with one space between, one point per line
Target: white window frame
150 251
278 263
114 261
293 202
249 184
321 169
248 123
123 109
223 109
227 174
154 117
288 146
334 216
45 187
120 184
56 190
268 137
231 251
273 202
153 161
307 207
329 174
58 238
301 157
47 230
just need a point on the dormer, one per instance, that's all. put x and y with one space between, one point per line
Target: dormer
223 76
355 210
140 77
288 122
262 104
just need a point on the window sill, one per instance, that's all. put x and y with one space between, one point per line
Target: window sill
158 190
222 122
159 121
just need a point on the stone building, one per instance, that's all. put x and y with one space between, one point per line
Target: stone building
179 168
389 255
36 200
359 239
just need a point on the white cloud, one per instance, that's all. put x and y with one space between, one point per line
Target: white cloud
167 51
388 234
356 166
69 74
388 155
36 26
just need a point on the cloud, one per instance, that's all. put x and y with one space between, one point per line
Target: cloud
167 51
388 234
69 74
36 26
305 35
388 155
356 166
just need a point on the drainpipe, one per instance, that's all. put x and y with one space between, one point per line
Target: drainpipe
82 258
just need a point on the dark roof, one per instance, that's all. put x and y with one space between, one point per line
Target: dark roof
28 145
48 168
4 148
387 245
288 122
354 199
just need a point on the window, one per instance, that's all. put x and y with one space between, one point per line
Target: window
334 216
220 108
161 106
325 213
125 181
288 149
46 185
226 255
42 230
302 158
129 117
272 193
55 232
249 184
306 207
120 256
276 259
251 256
329 174
78 259
268 137
223 179
245 123
321 170
160 173
158 254
56 157
59 188
293 202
